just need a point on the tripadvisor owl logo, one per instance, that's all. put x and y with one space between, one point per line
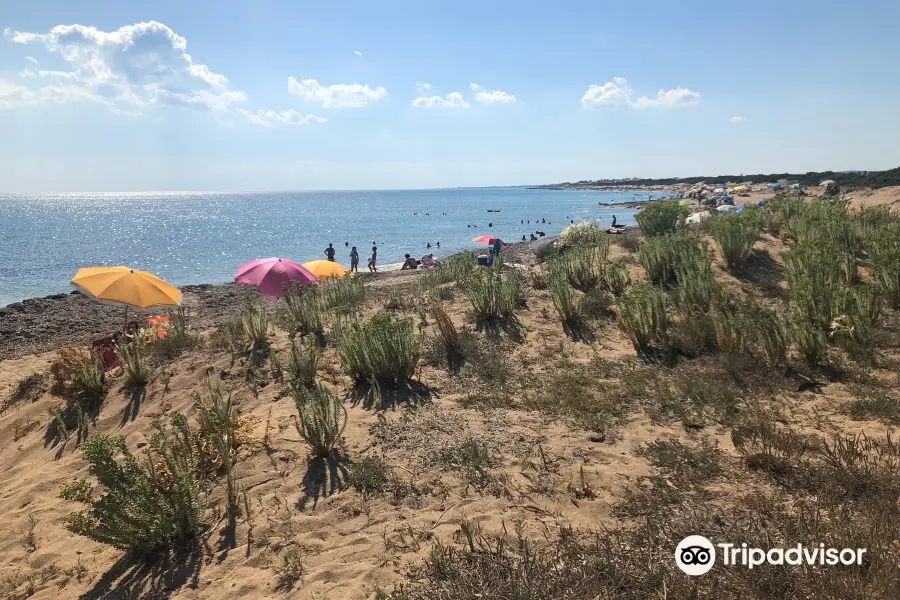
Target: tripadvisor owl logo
695 555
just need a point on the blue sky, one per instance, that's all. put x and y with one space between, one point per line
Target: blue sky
280 95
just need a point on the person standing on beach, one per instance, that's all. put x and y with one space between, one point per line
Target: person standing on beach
372 260
329 252
354 260
614 221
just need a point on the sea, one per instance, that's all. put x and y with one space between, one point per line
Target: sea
201 237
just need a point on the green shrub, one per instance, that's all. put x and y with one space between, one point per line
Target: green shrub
883 248
305 308
304 364
451 347
343 295
147 506
659 255
322 420
88 381
380 350
660 218
178 336
765 328
581 265
696 286
617 278
230 336
731 334
133 357
566 301
642 317
492 296
255 319
735 234
218 420
585 233
370 476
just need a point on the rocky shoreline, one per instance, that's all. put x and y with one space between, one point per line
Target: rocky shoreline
38 325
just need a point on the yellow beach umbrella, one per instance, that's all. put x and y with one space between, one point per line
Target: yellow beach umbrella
323 269
126 287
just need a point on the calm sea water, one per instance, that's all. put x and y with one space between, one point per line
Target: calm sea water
189 238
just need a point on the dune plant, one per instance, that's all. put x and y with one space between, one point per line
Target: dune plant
566 301
305 308
380 350
660 218
642 317
585 233
133 357
218 421
304 362
322 419
178 336
343 295
581 265
696 286
88 381
735 235
493 297
883 248
616 278
148 506
730 330
660 254
766 329
448 335
255 319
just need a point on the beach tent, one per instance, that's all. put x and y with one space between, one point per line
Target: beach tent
726 208
740 188
775 186
827 182
795 186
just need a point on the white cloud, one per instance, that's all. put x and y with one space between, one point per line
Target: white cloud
338 95
670 98
271 118
452 100
140 65
31 59
357 52
495 97
737 119
611 93
422 87
12 95
618 93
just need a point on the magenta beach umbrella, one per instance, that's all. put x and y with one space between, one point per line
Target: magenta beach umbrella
270 275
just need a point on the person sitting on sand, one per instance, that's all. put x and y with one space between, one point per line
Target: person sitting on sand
428 261
354 259
409 263
533 237
329 252
372 260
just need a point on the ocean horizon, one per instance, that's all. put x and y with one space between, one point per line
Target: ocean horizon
194 237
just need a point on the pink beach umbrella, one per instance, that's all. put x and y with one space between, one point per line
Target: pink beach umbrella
270 275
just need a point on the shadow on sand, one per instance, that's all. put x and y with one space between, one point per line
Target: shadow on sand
134 577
